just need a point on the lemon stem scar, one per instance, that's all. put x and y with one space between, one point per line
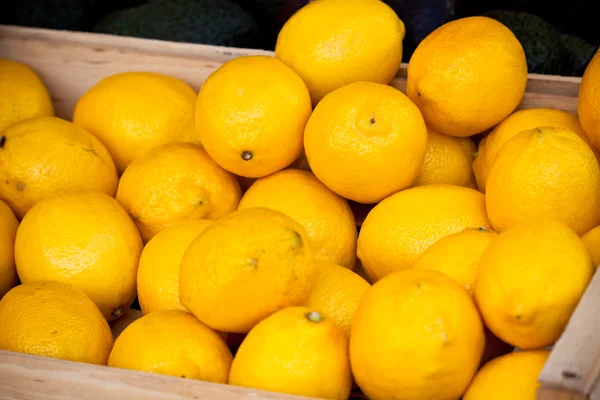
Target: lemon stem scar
246 155
117 312
314 316
482 229
2 141
372 121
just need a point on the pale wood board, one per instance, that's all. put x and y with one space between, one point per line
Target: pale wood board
70 63
26 377
574 363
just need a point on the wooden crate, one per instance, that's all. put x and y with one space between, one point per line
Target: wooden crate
70 63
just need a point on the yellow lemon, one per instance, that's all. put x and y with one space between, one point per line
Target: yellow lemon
251 114
8 231
366 141
530 280
173 183
295 351
447 160
336 293
544 172
172 342
517 122
416 335
244 267
400 228
84 239
52 319
324 215
591 240
158 272
588 106
512 376
458 255
467 75
22 94
133 112
43 156
348 41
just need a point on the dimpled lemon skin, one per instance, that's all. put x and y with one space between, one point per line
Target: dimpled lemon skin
158 272
458 255
591 240
326 216
84 239
251 114
348 41
174 183
336 293
517 122
244 267
295 351
467 76
366 141
400 228
172 342
530 280
133 112
512 376
544 173
22 94
52 319
588 105
8 231
416 335
448 160
46 155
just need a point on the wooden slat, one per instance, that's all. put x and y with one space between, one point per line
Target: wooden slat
72 62
546 393
26 377
574 363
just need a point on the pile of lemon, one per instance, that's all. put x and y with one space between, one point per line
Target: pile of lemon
229 214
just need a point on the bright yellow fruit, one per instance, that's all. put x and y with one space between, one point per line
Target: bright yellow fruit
22 94
336 293
530 280
296 351
172 342
324 215
588 106
458 255
348 41
416 335
400 228
52 319
158 273
591 240
447 160
516 123
84 239
43 156
8 231
512 376
467 75
174 183
251 114
133 112
544 173
244 267
366 141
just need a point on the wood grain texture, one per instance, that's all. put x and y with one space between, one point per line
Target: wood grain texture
574 363
25 377
70 63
